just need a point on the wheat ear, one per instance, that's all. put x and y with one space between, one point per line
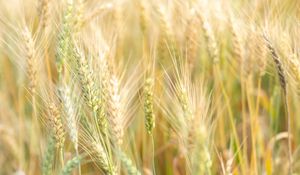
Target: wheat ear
57 125
64 49
131 169
191 39
49 157
86 77
70 165
279 67
116 118
148 105
210 38
237 43
90 91
295 67
79 15
144 18
283 84
31 60
70 111
166 42
101 157
184 103
44 13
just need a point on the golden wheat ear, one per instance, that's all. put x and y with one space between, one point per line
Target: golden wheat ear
31 60
115 110
57 125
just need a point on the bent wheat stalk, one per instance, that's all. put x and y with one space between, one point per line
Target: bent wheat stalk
283 84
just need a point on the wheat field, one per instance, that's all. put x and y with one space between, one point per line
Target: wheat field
152 87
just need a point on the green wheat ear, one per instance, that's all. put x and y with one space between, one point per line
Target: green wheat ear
49 157
148 105
65 45
71 164
131 169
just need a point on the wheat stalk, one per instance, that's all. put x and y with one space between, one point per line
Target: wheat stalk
283 84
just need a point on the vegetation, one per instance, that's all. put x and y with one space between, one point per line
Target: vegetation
149 87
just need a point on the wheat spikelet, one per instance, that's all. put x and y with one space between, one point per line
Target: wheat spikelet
131 169
195 113
166 42
48 160
276 59
71 164
198 135
95 13
105 87
56 124
90 91
184 103
295 67
210 38
191 38
262 61
229 164
249 59
255 58
144 18
237 43
87 81
104 77
64 49
101 157
31 60
164 34
198 143
44 13
148 105
190 120
69 108
116 116
79 19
